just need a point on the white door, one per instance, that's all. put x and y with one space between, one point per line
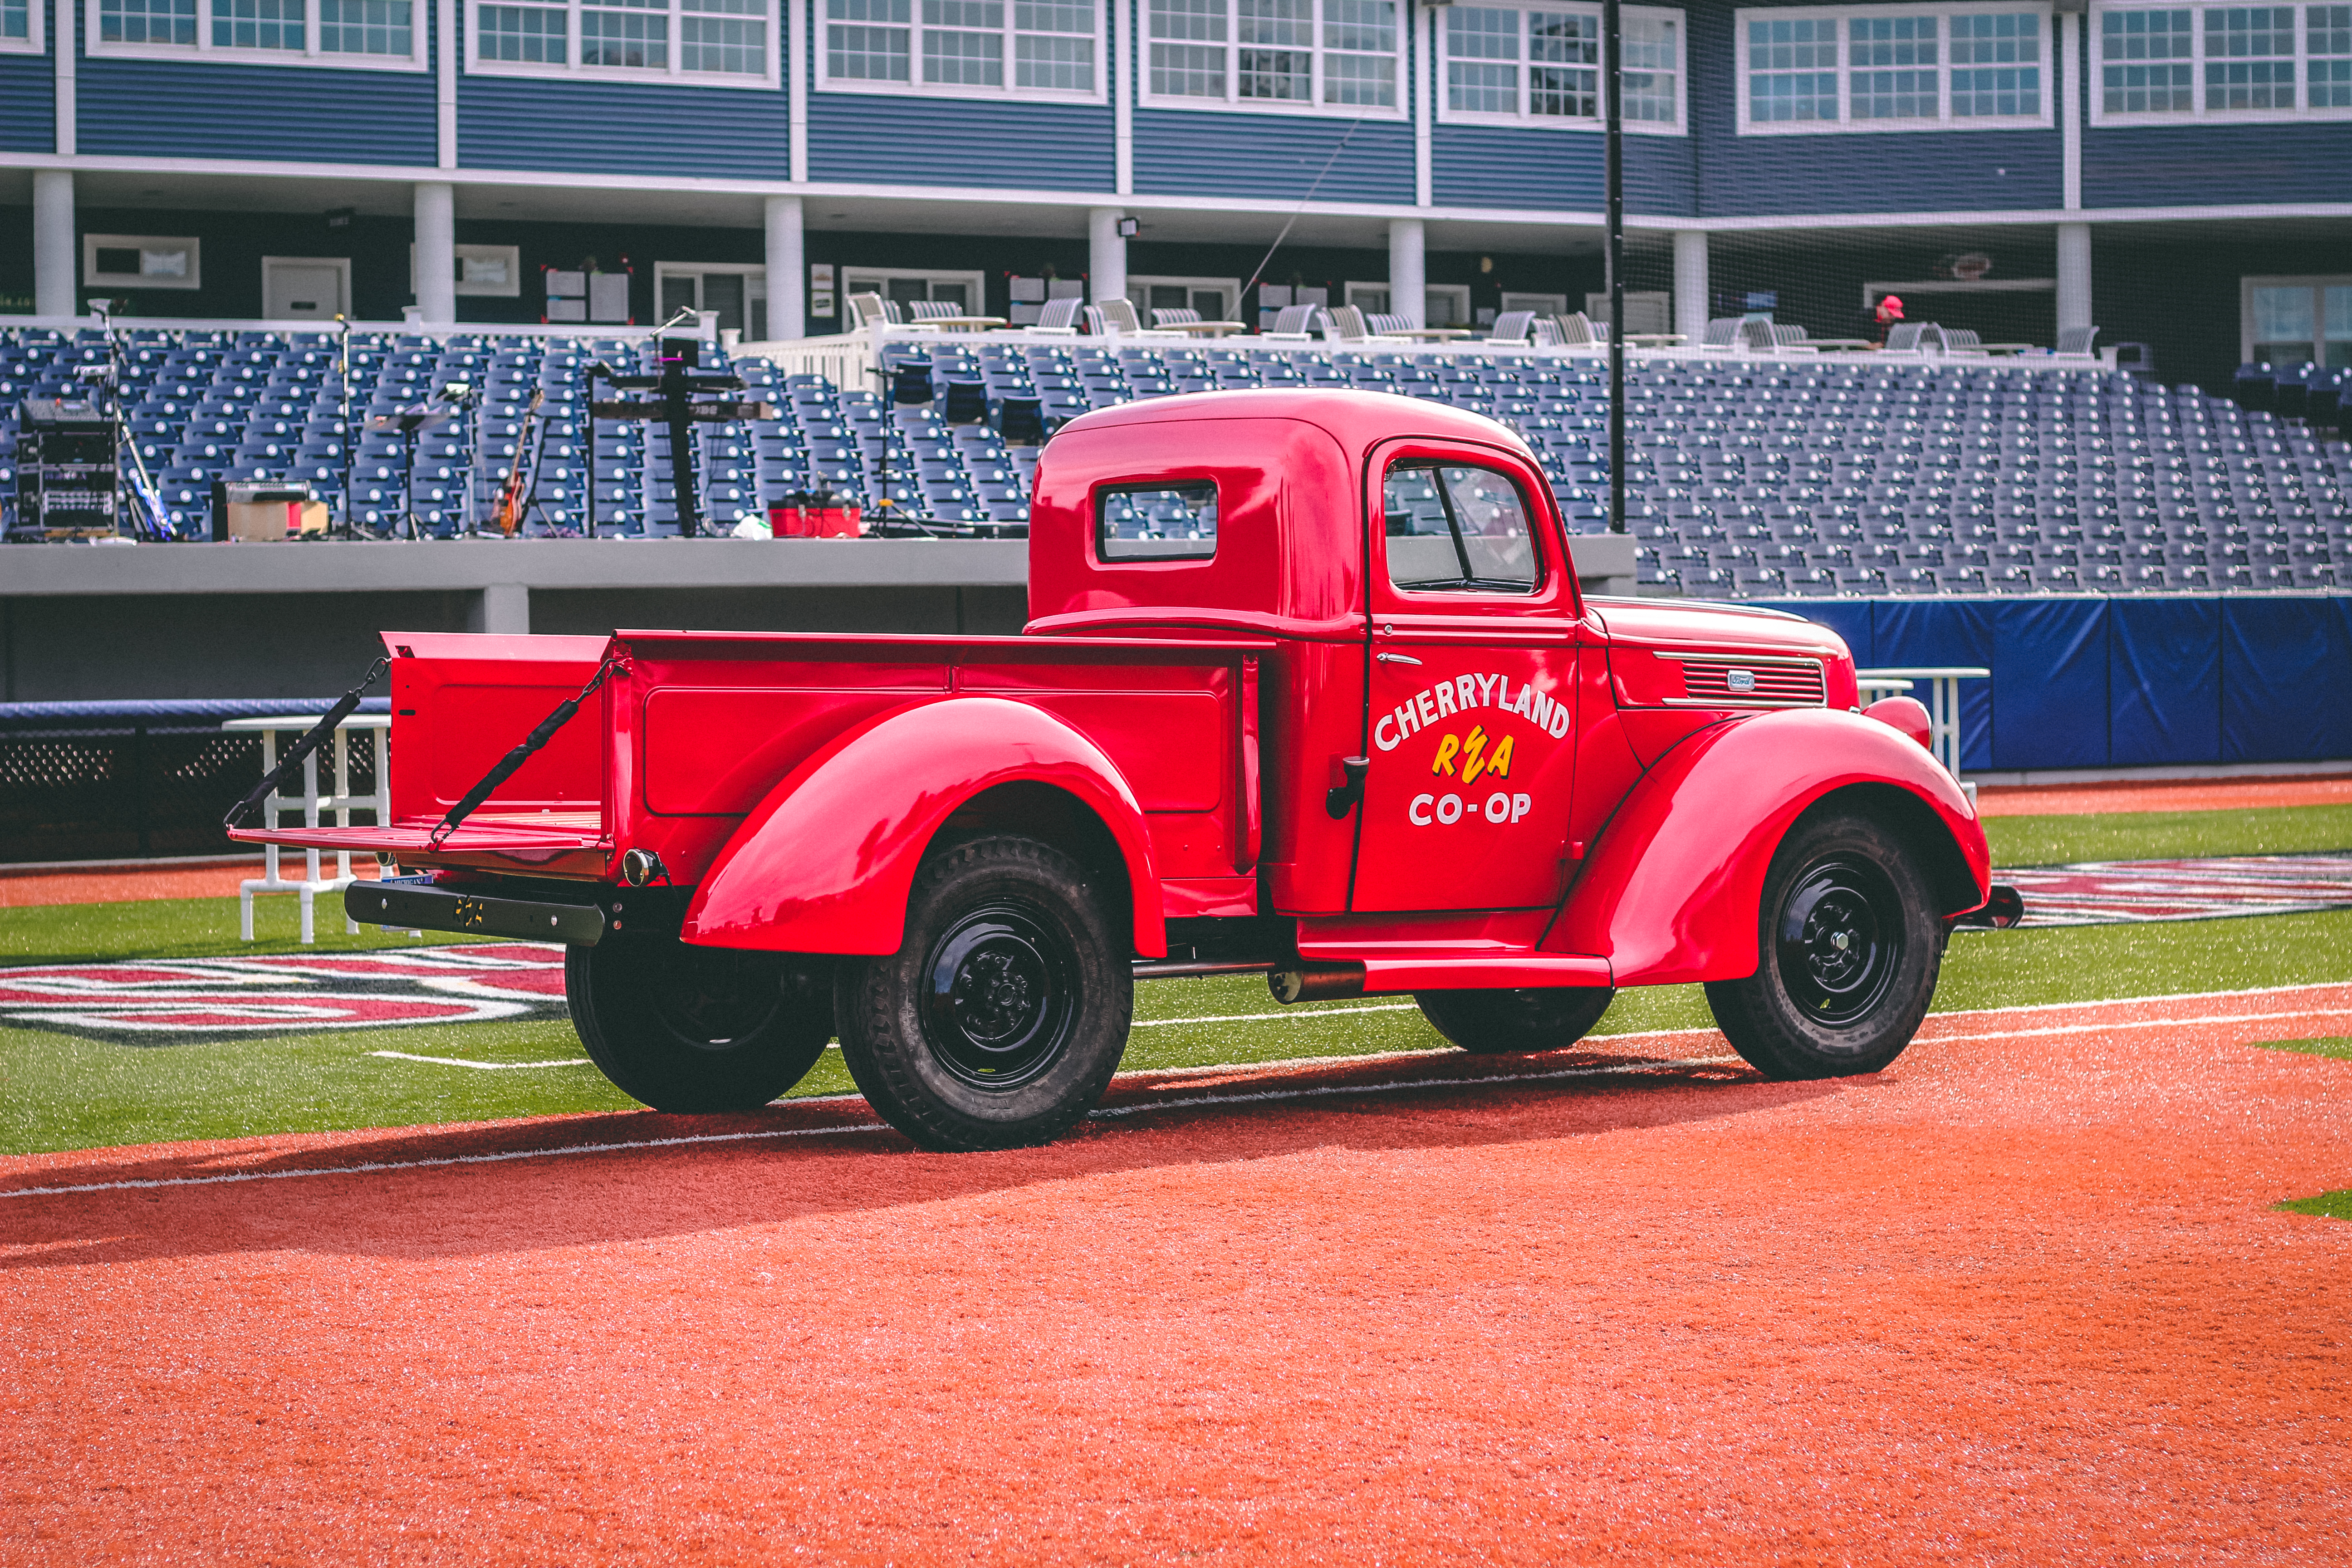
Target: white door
296 289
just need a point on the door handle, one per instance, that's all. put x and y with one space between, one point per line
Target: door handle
1396 659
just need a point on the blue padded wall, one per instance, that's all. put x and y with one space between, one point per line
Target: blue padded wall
2284 667
2164 682
2123 681
1907 633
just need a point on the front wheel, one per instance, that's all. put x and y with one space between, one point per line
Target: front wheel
1850 947
1502 1022
1000 1020
698 1029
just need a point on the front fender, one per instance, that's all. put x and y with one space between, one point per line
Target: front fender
1671 892
827 862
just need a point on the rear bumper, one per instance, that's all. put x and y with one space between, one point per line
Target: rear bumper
418 906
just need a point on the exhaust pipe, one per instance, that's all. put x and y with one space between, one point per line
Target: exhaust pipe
1316 982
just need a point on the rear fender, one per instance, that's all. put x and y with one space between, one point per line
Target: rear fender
1669 893
827 860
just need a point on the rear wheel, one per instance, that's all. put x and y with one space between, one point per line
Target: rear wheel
698 1029
1849 944
1500 1023
1000 1020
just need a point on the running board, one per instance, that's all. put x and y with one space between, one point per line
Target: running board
1393 971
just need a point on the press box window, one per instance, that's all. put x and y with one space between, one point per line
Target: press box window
1458 529
1176 522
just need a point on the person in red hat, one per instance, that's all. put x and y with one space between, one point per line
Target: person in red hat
1889 311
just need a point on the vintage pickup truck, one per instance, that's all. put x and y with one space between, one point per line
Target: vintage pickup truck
1308 687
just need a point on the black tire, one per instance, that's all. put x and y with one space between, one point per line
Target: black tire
1503 1023
698 1029
1000 1020
1850 945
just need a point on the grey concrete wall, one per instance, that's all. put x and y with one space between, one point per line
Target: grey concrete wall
299 620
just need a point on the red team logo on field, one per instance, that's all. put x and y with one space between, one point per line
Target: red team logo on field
178 1001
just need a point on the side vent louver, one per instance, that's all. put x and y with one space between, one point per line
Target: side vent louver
1758 683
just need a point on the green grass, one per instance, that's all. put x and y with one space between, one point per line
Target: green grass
2337 1046
2327 1205
63 1092
2166 835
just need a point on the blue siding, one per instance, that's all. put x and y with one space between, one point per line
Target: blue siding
29 103
2169 165
1918 171
1502 166
875 138
623 127
1272 156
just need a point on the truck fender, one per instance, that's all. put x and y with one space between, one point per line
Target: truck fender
1671 892
827 861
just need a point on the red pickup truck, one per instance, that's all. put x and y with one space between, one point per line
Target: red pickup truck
1309 688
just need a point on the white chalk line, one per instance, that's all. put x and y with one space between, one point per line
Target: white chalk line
485 1067
1318 1091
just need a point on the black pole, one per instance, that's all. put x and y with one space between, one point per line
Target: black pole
1613 164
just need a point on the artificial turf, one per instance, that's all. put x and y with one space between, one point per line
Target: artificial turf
2337 1046
66 1092
2329 1205
2167 835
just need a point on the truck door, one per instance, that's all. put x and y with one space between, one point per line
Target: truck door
1473 607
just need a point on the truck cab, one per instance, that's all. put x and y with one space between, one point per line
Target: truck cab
1308 687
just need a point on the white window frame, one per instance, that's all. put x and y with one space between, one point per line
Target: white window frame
340 264
975 283
2197 113
510 254
753 273
2314 282
1457 293
1233 104
915 86
311 56
1142 283
91 278
36 40
1845 125
1449 115
768 79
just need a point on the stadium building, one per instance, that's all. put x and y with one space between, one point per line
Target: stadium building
2130 225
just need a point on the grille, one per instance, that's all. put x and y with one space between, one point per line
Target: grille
1728 680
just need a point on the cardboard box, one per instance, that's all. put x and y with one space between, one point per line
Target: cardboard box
275 519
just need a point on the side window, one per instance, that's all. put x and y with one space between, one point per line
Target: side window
1453 528
1157 522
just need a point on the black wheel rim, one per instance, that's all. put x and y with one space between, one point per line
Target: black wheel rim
1840 941
714 998
1000 996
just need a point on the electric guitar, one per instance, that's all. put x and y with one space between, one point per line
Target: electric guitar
507 514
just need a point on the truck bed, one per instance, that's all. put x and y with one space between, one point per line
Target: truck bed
695 729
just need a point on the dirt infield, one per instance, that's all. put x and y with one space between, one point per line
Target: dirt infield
2020 1299
21 890
2168 795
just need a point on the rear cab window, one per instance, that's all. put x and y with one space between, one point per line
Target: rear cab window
1457 528
1166 521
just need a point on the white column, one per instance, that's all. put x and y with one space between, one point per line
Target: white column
2070 109
1424 49
787 270
505 608
796 68
1408 270
1106 253
437 253
64 45
1690 283
445 88
1122 95
55 253
2073 275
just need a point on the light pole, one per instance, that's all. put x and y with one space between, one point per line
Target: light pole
1612 156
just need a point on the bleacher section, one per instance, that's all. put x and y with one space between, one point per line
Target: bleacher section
1750 478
